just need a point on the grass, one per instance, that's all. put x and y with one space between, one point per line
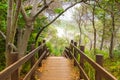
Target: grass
111 65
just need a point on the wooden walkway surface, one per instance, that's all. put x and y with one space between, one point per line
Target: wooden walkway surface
55 68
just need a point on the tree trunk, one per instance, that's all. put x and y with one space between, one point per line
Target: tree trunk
102 41
12 17
93 23
90 45
89 40
24 42
80 39
103 33
112 37
9 23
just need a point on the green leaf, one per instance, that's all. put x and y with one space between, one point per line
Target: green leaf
58 10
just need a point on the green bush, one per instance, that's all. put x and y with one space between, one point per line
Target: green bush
90 71
25 68
116 53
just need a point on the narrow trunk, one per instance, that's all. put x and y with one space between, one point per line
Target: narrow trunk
9 24
102 41
103 33
93 23
90 45
94 40
9 49
89 40
112 37
80 39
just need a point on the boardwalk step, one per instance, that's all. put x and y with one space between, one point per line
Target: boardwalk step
55 68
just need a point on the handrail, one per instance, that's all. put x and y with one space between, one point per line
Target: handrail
7 71
97 67
81 69
35 66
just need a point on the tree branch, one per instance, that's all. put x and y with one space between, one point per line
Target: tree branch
36 38
9 19
14 20
118 4
13 46
44 7
34 8
102 7
24 13
3 35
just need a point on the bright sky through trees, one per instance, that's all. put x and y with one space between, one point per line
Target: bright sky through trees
68 14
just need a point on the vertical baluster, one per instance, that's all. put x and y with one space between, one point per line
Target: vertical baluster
71 49
99 60
32 62
14 57
81 60
75 54
39 52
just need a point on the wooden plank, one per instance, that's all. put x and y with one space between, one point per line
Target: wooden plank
55 68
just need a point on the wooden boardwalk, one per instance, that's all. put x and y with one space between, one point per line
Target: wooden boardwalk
55 68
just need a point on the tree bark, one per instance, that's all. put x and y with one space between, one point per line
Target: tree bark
80 39
12 16
103 33
94 29
112 37
9 23
24 42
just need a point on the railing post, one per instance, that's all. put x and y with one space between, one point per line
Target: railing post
32 62
99 60
15 74
44 48
65 54
33 58
81 60
71 48
75 53
39 52
48 52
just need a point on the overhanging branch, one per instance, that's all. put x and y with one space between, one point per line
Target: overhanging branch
55 19
44 7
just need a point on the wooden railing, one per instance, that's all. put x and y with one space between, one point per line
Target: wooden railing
42 52
72 52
